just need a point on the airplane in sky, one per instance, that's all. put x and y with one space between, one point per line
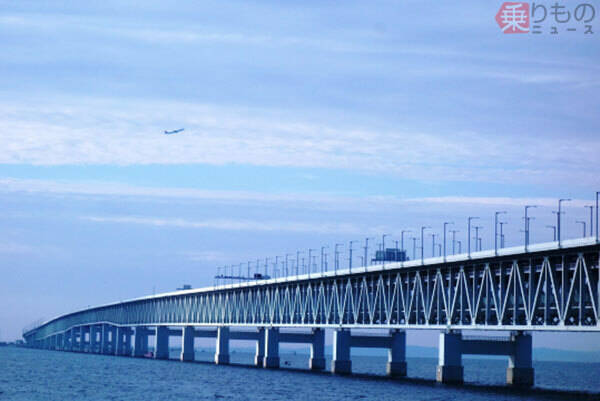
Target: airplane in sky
174 131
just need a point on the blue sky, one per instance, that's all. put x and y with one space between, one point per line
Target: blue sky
306 123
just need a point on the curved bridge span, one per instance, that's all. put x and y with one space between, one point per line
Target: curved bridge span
546 287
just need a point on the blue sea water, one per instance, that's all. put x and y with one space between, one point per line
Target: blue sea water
27 374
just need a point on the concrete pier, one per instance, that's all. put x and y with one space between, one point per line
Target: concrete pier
187 344
395 343
86 338
222 351
71 340
161 343
140 342
260 348
317 350
128 332
520 367
271 359
94 343
120 341
105 339
518 348
341 363
450 369
396 366
78 344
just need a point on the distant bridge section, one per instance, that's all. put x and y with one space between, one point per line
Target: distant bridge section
544 287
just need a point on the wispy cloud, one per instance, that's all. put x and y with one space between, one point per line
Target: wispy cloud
124 132
309 200
231 225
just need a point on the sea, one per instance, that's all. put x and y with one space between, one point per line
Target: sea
29 374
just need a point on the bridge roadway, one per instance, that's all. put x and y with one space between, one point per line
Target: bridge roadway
514 291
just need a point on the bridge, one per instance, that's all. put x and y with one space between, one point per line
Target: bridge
511 291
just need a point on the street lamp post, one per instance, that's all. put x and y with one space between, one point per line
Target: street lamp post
298 261
469 234
454 241
477 238
350 255
553 231
367 252
287 255
402 241
433 244
275 266
423 228
560 201
502 223
459 242
446 223
310 260
496 231
336 262
527 207
583 224
322 257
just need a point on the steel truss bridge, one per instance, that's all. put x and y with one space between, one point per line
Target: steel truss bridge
544 287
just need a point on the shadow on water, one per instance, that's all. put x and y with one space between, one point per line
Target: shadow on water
535 392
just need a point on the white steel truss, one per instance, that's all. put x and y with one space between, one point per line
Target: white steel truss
554 290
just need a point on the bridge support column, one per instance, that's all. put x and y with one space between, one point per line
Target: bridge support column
78 346
161 343
271 348
104 339
317 350
85 338
128 334
260 348
396 366
450 369
518 348
72 339
120 341
140 342
341 363
222 352
94 339
520 368
187 344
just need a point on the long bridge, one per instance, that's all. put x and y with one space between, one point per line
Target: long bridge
552 287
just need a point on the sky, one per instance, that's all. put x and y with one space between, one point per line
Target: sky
306 124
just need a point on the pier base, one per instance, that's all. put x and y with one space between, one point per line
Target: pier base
222 352
161 343
317 350
271 360
341 363
450 369
518 348
520 367
260 348
140 342
187 344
